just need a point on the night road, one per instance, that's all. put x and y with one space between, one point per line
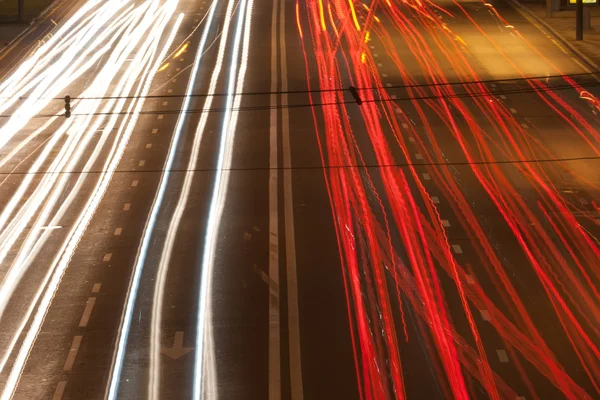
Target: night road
222 217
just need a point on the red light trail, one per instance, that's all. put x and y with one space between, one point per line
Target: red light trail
395 250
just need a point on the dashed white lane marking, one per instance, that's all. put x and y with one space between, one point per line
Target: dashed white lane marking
154 131
164 103
60 390
107 257
583 201
388 84
372 47
485 315
404 125
126 206
411 139
470 279
87 312
502 356
134 183
418 156
503 97
169 90
177 69
512 110
375 55
384 75
426 176
435 200
181 59
393 96
72 354
161 116
525 126
96 288
398 111
379 64
174 80
445 223
457 249
149 145
118 231
142 163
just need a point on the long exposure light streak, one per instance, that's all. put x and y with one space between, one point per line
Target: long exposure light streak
158 297
149 28
235 84
483 129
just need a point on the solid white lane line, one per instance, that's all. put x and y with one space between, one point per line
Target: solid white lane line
296 387
87 312
72 353
274 316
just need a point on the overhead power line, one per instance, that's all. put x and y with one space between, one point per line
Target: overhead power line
334 103
340 89
319 167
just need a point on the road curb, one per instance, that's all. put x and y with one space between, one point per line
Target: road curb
530 15
30 26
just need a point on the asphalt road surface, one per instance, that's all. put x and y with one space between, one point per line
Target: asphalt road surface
223 217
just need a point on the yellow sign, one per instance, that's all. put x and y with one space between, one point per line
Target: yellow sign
574 2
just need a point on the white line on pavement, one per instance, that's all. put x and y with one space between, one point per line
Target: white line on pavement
296 388
274 316
87 312
72 353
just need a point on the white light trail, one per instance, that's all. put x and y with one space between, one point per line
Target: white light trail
204 317
149 228
144 36
158 298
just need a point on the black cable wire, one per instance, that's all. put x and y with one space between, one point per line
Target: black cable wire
265 93
320 167
289 106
